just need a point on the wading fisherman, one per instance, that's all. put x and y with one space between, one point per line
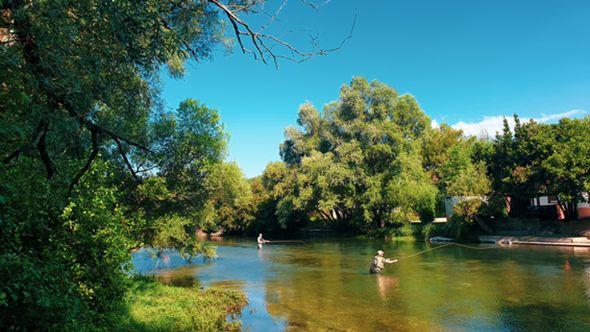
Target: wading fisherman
379 261
261 241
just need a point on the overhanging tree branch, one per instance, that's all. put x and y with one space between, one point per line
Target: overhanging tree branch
124 156
91 157
56 101
42 147
313 5
264 44
236 22
37 134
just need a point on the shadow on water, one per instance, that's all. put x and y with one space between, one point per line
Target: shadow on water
326 286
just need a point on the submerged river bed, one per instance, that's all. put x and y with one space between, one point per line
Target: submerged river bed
325 285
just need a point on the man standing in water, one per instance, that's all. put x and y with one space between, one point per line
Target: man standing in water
379 261
261 241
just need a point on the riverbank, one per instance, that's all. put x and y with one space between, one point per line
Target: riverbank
508 230
536 240
153 306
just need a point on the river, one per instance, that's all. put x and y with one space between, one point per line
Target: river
325 285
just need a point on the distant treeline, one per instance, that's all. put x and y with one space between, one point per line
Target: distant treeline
371 160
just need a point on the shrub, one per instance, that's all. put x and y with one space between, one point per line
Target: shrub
461 229
155 307
59 266
431 230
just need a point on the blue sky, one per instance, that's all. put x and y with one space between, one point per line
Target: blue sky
468 63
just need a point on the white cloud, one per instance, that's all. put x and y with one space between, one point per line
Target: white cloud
554 117
434 123
492 124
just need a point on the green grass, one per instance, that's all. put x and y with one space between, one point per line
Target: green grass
152 306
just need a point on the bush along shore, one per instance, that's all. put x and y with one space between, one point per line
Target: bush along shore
153 306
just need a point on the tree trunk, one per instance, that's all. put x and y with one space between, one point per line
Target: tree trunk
573 213
339 214
508 200
326 216
563 208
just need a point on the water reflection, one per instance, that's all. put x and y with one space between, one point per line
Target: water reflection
385 283
325 286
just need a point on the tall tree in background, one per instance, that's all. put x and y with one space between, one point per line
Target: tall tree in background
230 199
273 199
567 165
171 195
359 161
540 159
437 145
513 164
466 181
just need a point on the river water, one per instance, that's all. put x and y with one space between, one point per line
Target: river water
325 285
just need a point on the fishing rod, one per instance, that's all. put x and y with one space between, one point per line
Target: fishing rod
423 251
449 244
287 241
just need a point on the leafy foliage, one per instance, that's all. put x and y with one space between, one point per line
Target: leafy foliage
359 161
540 159
230 198
177 194
74 260
567 165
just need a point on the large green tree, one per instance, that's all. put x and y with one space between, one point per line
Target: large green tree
539 159
513 164
466 181
567 165
273 199
230 202
171 195
359 161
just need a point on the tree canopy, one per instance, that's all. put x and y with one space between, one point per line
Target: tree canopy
359 161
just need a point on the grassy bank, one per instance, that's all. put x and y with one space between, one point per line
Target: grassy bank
152 306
